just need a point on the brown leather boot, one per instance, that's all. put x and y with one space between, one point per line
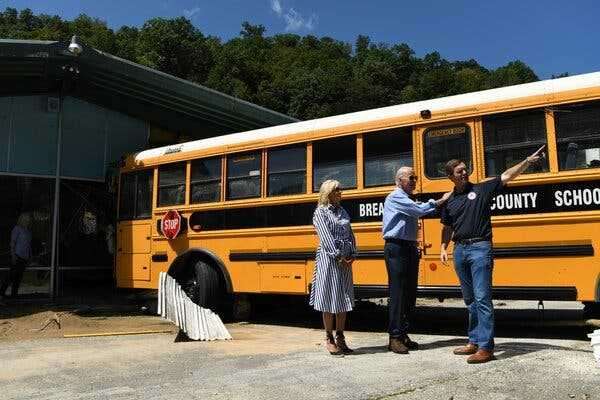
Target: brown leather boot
332 348
397 346
470 348
482 356
340 342
410 344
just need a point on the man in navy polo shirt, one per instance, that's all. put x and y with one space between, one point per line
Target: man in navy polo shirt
466 217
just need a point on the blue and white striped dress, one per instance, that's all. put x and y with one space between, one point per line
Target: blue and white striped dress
332 288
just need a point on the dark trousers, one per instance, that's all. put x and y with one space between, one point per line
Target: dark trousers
15 275
402 263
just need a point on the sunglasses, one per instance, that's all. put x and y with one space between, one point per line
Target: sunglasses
413 178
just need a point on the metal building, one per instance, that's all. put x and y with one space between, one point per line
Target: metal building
66 118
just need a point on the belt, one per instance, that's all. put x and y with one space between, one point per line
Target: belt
470 240
402 242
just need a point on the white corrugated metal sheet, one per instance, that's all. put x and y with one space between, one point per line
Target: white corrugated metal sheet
198 323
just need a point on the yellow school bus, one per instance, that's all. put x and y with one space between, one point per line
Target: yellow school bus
233 214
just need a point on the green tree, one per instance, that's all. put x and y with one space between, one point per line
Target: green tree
126 42
303 76
241 65
513 73
51 28
174 46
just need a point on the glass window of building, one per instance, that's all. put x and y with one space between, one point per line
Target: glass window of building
206 180
171 184
86 224
335 159
578 135
243 175
28 205
86 128
136 195
509 138
443 144
384 153
286 170
33 136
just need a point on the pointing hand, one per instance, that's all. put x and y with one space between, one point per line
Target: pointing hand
535 157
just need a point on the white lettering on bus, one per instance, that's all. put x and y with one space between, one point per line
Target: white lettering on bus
370 209
511 201
577 197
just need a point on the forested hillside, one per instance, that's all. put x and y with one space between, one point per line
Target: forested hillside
302 76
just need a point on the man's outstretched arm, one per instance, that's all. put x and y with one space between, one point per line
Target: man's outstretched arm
516 170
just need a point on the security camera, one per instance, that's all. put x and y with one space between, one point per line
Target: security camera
75 48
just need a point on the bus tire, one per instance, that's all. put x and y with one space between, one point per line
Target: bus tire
206 287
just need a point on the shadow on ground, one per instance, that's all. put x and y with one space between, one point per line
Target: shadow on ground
503 351
431 320
294 311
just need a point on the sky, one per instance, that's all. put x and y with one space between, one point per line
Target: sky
551 37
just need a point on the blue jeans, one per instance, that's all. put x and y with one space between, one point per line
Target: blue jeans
474 264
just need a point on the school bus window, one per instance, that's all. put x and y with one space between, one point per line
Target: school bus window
509 138
335 159
578 136
127 196
443 144
143 197
243 175
135 200
286 170
385 152
171 184
205 182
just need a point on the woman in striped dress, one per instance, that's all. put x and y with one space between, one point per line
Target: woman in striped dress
332 290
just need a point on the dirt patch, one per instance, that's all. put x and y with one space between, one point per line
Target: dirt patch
28 322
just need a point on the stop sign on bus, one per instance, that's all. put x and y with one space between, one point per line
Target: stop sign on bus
171 224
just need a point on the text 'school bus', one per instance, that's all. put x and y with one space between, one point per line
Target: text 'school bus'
233 214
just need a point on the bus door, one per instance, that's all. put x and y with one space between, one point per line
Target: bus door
133 251
436 145
134 229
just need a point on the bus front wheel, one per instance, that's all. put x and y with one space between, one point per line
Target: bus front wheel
205 288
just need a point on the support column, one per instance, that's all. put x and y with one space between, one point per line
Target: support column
54 256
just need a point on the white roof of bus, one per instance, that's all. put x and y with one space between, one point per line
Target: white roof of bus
436 105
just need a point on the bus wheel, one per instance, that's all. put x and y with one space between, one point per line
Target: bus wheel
591 309
205 288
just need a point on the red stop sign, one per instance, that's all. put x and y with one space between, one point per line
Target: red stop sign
171 224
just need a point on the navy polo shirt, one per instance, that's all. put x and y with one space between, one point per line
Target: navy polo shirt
469 213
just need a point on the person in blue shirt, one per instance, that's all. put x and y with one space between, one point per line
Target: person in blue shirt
400 224
20 251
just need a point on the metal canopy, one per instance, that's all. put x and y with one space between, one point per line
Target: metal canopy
163 100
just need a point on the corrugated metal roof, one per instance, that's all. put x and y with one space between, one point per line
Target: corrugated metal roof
162 99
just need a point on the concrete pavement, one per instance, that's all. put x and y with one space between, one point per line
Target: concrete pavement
275 361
